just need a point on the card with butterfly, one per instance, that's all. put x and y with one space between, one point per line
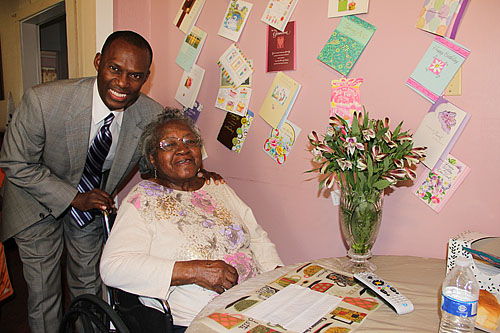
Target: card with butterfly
440 130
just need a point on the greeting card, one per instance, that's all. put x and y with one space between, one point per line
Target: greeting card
234 100
436 15
191 48
437 186
279 100
234 21
194 112
346 44
234 130
280 142
281 48
345 98
188 14
338 8
439 131
278 12
189 86
454 88
235 66
437 67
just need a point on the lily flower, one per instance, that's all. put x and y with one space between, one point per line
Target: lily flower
335 122
352 144
405 137
361 164
399 173
324 148
411 173
344 164
419 151
331 180
323 168
376 154
390 179
398 163
368 134
388 139
313 138
412 159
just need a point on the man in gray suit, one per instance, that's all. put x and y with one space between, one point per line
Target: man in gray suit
43 156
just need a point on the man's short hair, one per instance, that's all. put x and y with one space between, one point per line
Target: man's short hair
130 37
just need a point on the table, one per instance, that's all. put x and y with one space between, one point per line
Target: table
417 278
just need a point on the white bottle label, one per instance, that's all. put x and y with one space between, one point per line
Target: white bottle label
457 307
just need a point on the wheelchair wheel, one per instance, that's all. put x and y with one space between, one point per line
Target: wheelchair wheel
92 314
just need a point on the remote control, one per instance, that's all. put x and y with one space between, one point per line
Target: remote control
388 293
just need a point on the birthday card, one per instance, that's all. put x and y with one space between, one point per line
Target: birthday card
280 142
439 131
437 68
345 98
235 19
435 187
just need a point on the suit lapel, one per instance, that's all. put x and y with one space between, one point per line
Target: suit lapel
78 129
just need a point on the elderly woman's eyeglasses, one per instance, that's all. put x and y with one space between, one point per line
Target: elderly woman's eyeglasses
172 144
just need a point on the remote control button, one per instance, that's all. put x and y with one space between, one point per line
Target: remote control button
378 282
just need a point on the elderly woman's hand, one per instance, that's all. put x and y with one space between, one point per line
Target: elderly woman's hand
215 275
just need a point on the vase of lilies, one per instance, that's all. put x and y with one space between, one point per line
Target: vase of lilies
363 158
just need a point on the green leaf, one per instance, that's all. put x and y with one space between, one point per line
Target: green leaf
396 131
386 164
369 165
381 184
355 127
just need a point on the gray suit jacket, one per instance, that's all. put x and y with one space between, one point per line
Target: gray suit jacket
45 148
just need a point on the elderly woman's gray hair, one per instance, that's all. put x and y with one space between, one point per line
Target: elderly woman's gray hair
150 138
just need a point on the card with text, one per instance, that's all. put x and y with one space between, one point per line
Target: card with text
346 98
439 131
234 130
278 12
437 68
191 48
437 186
346 44
281 48
235 19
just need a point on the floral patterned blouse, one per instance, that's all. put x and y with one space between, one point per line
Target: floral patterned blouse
157 226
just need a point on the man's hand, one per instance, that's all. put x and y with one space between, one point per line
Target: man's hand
94 199
207 175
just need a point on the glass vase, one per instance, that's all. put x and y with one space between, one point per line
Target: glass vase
360 217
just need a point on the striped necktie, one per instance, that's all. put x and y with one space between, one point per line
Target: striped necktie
92 172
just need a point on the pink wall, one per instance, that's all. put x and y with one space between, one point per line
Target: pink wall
303 223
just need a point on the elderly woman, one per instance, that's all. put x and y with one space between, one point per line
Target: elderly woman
177 238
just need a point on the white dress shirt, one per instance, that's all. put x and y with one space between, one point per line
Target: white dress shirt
99 112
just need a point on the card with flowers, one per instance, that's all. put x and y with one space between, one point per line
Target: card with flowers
436 187
437 67
439 130
280 142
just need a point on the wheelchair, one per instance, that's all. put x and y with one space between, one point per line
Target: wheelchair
124 314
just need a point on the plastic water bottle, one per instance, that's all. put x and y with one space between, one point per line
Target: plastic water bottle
459 297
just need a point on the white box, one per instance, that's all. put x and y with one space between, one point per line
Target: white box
487 275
